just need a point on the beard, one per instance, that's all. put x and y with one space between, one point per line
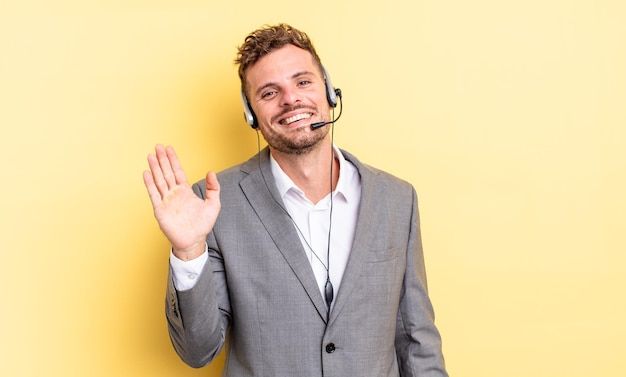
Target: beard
297 141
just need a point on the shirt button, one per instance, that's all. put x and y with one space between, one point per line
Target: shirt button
191 276
330 347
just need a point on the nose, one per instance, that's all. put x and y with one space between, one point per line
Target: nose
290 97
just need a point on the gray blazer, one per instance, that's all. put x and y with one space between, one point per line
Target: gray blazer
259 288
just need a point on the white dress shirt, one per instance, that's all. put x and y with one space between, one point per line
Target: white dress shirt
312 222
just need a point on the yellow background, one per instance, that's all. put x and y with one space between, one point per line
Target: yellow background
509 117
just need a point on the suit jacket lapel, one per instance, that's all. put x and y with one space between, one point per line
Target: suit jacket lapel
260 190
365 230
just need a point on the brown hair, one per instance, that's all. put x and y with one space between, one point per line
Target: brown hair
267 39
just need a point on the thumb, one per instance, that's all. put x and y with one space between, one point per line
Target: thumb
212 186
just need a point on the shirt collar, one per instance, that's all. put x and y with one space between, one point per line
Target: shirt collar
345 184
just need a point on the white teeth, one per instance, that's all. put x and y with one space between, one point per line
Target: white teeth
296 118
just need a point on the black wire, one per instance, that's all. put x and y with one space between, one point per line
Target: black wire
328 288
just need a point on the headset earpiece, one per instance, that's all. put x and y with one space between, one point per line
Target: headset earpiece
331 93
248 114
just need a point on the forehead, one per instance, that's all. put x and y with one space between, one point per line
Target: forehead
279 66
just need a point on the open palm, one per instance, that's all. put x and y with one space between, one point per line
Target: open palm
184 218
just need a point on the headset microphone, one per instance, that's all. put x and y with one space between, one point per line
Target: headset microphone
315 126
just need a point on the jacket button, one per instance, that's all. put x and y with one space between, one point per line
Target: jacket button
330 347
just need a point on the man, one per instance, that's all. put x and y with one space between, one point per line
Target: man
310 261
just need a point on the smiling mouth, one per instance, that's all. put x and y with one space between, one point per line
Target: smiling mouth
295 118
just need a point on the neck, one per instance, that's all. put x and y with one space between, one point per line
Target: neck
311 171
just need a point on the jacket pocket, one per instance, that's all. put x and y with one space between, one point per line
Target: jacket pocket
378 256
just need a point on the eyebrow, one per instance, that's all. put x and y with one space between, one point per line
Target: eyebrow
270 84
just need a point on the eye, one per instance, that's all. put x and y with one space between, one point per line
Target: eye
303 82
268 94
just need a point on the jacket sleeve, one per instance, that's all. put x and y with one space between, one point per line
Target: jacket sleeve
418 342
198 318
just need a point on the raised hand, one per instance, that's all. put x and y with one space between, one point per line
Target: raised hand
184 218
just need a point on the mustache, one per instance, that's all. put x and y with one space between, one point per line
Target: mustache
289 109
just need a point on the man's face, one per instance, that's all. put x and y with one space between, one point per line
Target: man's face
287 94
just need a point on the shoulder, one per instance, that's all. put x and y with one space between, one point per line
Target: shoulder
380 179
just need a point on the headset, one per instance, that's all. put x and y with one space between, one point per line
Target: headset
331 96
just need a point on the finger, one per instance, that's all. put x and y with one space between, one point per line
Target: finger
153 192
166 166
157 174
179 173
